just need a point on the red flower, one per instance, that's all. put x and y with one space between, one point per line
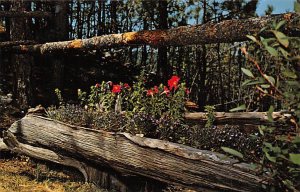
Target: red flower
173 82
126 86
150 92
97 85
187 91
155 89
116 89
166 90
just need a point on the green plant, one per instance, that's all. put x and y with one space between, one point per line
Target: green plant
210 115
280 84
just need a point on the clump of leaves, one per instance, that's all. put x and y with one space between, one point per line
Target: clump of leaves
280 84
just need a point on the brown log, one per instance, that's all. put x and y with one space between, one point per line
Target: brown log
224 32
239 118
31 14
6 44
160 160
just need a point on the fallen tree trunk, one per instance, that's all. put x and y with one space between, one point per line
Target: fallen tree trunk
7 44
131 155
223 32
239 118
31 14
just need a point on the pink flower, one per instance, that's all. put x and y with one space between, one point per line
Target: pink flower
116 89
173 82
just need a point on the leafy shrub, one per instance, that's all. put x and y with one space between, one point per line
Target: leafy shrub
279 84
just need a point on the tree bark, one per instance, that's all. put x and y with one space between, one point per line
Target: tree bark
7 44
239 118
33 14
22 88
223 32
132 155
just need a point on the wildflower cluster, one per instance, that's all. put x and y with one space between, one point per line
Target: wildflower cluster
154 111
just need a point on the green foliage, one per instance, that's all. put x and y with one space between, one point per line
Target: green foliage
279 81
158 110
210 115
232 152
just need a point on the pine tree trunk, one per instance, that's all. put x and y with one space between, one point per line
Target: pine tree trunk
22 64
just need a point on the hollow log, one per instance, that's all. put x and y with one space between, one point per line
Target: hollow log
132 155
239 118
224 32
30 14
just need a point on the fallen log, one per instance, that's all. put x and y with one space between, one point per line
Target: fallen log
7 44
131 155
30 14
240 118
224 32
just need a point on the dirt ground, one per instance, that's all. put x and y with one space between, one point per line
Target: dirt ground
22 174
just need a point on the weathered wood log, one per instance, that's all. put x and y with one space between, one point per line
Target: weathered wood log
223 32
133 155
31 14
239 118
7 44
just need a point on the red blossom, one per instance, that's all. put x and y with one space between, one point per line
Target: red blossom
166 90
97 85
116 88
126 86
155 89
187 91
150 92
173 82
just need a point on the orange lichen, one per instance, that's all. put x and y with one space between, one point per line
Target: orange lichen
288 17
75 44
128 37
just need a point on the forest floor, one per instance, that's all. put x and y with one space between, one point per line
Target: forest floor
22 174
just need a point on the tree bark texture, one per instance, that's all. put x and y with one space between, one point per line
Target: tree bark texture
132 155
33 14
239 118
223 32
19 30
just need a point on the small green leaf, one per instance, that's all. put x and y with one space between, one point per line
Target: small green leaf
270 112
280 24
284 52
232 152
290 74
295 158
239 108
270 79
247 72
270 158
261 129
296 140
272 51
246 82
289 184
253 39
282 38
265 86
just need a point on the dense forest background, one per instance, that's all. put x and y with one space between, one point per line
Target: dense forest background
212 72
